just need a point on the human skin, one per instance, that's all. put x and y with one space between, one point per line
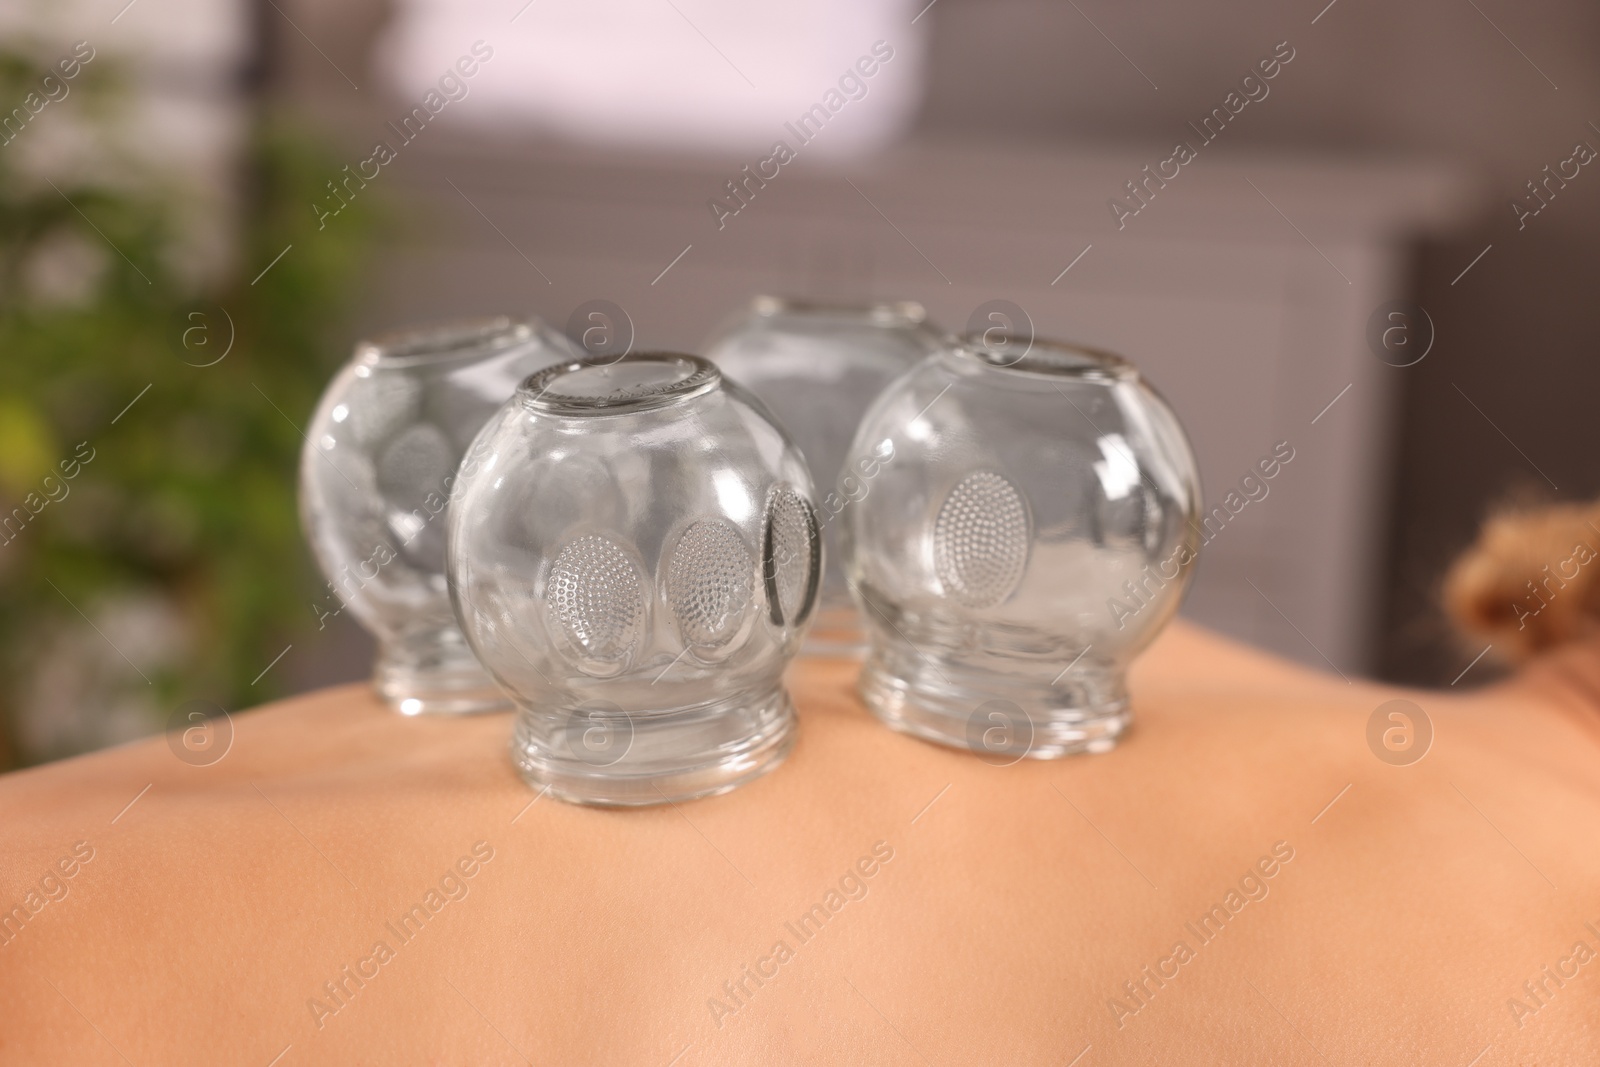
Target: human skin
1017 901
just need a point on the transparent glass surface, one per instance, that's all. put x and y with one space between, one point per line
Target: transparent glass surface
818 367
1031 529
379 462
635 558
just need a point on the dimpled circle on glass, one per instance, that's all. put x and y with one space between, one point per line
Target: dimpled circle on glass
980 540
379 405
605 553
414 461
708 583
594 593
790 549
381 454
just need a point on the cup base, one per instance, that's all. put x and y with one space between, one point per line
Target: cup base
836 631
440 685
993 713
608 758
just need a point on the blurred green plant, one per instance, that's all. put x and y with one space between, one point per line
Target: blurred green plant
187 498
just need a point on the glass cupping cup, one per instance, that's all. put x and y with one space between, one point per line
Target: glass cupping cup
818 367
379 462
635 559
1034 529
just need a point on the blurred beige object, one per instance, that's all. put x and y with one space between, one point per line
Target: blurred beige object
1529 583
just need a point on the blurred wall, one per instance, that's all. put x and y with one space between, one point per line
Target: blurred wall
1505 89
1499 89
1415 75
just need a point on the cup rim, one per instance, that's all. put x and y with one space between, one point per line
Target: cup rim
695 376
875 312
1043 357
446 341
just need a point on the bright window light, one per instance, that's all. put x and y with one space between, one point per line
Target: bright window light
722 75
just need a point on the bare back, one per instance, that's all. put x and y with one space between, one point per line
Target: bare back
1242 880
